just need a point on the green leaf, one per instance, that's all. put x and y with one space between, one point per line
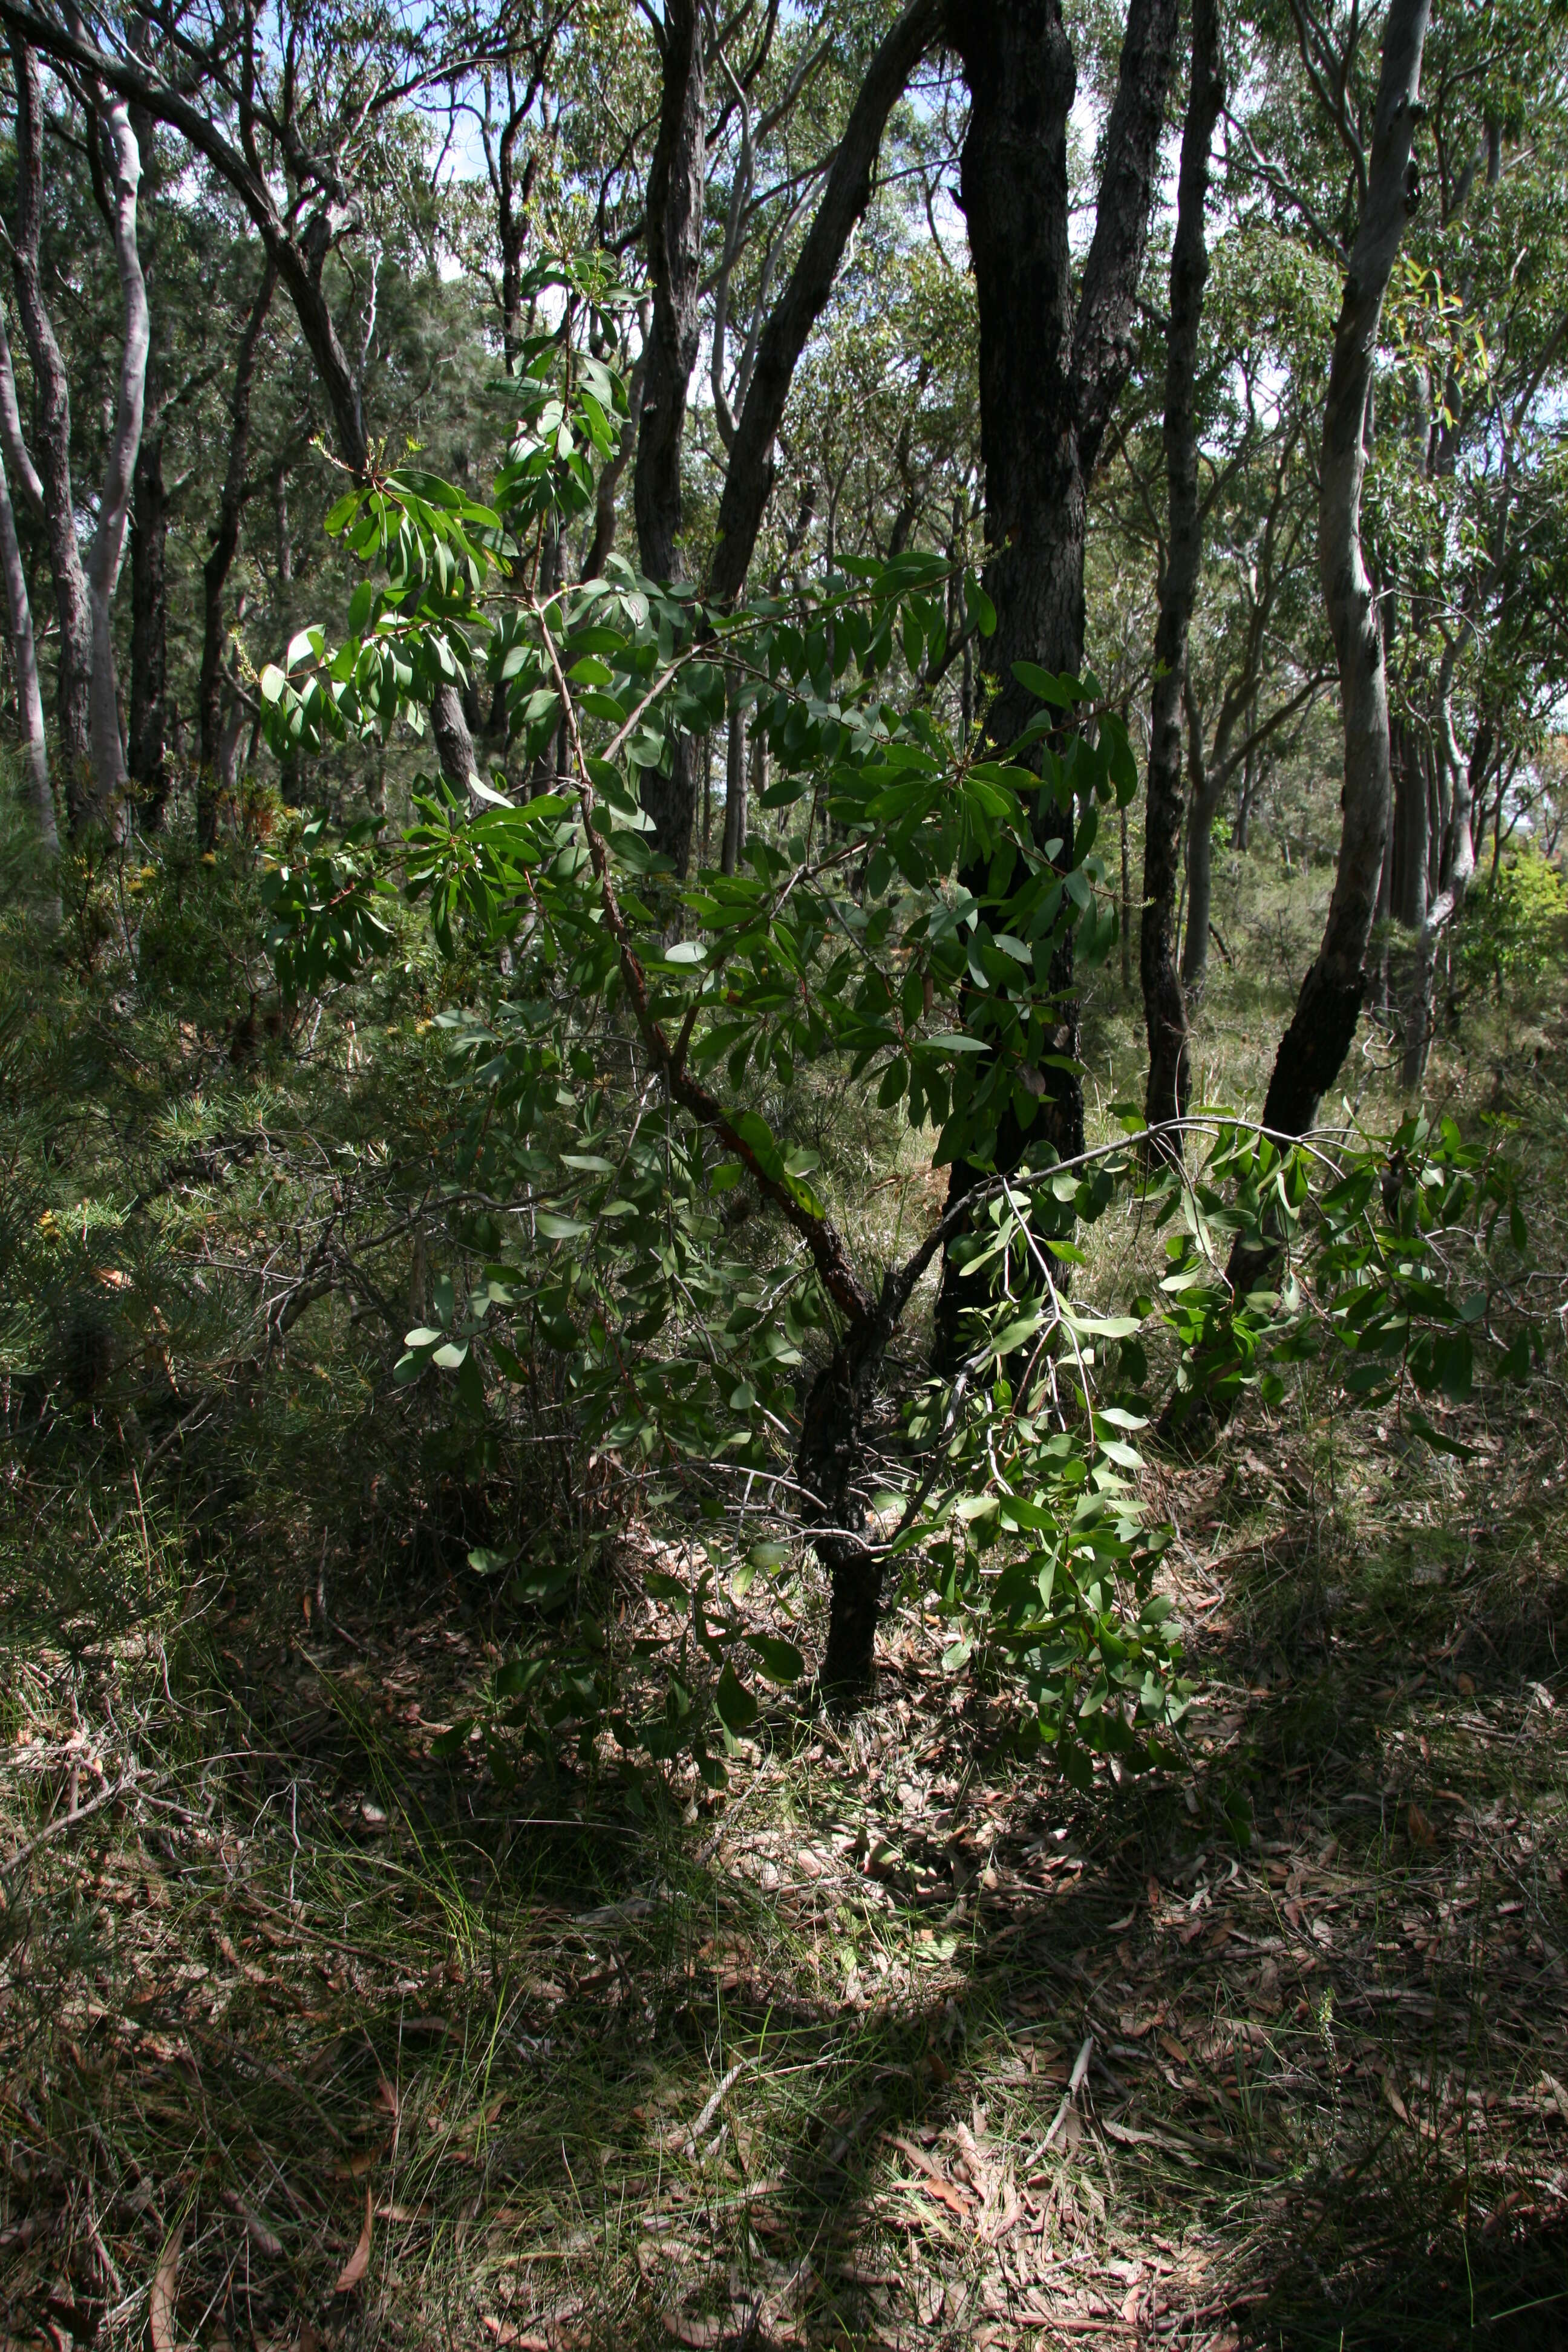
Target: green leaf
1435 1438
490 1563
736 1706
1061 693
780 1661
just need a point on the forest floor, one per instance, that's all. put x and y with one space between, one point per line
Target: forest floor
309 2037
307 2040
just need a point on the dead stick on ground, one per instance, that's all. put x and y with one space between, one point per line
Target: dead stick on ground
68 1820
713 2105
1080 2069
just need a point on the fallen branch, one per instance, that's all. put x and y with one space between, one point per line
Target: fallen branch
68 1820
711 2106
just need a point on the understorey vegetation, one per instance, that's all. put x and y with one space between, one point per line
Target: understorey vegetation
782 1258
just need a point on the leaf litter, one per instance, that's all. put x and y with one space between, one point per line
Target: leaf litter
899 2042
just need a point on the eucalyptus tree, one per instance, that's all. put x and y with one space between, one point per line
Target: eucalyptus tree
1468 370
1377 137
1470 517
288 116
1055 352
1260 658
93 748
1164 994
751 408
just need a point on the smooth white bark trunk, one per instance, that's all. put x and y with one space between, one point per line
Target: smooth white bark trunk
108 547
24 664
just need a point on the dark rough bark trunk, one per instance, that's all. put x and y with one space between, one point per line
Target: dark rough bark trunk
1049 378
748 477
147 747
1315 1045
675 260
52 409
1205 783
216 568
735 788
1164 998
675 263
603 539
827 1460
671 800
513 198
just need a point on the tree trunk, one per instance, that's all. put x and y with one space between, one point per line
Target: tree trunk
454 744
675 263
1314 1045
147 723
748 477
734 838
1200 890
1456 863
610 476
1407 875
25 666
1049 378
108 545
52 410
220 560
1164 999
1207 781
148 751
